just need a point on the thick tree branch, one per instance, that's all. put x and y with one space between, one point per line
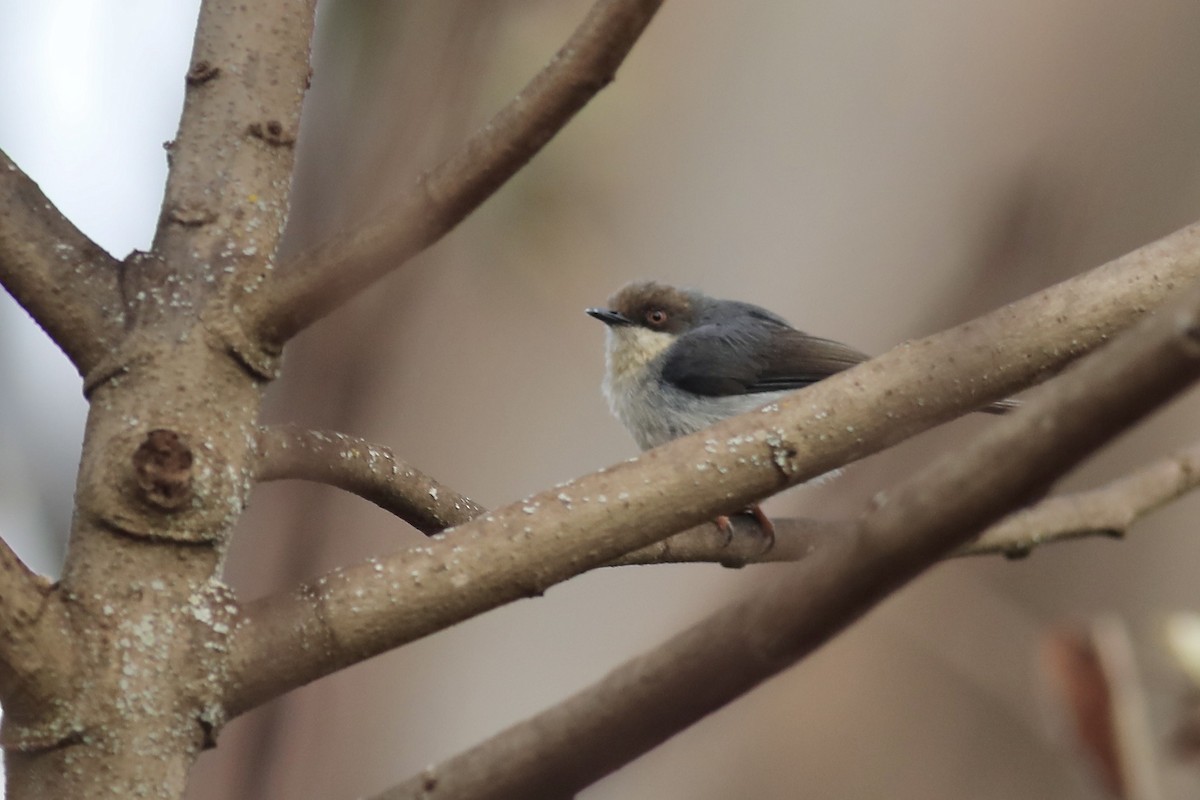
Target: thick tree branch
37 656
356 612
374 473
902 532
367 470
167 458
227 192
63 279
1108 510
323 278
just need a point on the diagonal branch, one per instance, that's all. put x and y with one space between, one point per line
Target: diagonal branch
369 471
900 534
63 279
285 641
1108 510
323 278
374 473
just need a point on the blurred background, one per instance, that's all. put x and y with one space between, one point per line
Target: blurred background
871 170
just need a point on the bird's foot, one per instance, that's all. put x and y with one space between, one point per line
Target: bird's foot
725 526
764 522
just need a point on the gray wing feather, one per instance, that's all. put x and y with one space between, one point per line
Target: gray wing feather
714 361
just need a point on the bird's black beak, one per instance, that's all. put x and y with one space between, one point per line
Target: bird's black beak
609 317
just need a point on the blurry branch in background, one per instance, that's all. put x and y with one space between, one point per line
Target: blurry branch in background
321 279
900 533
62 279
351 614
1098 688
1108 510
370 471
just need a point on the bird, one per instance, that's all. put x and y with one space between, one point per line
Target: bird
677 361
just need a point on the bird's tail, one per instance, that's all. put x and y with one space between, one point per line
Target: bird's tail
1001 406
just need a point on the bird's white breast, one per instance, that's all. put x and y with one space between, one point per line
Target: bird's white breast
655 412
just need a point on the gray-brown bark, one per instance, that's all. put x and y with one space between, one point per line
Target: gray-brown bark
112 679
115 678
168 456
899 534
524 548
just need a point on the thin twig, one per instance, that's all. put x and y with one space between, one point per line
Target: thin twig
350 614
1108 510
323 278
370 471
63 279
901 533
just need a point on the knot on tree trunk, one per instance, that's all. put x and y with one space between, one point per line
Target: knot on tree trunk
163 464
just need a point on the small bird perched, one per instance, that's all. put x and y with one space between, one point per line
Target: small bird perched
678 361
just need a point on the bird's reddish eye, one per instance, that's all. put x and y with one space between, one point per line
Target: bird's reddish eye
656 316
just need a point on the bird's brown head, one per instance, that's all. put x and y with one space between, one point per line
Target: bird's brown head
643 319
651 305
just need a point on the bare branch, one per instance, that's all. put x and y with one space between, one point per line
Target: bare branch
353 613
1109 510
370 471
36 654
902 532
226 198
323 278
63 279
375 474
168 449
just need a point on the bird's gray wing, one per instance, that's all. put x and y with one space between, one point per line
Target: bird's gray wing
712 361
